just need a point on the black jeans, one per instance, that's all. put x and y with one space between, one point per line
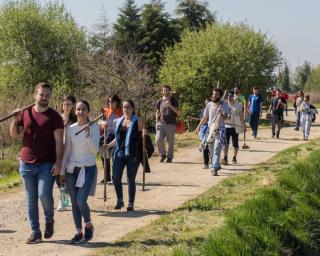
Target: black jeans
206 154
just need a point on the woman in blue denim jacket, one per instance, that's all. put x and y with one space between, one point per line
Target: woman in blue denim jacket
128 136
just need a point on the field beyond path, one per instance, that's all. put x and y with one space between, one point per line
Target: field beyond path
168 186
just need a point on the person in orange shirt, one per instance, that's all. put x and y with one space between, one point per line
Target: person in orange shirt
112 111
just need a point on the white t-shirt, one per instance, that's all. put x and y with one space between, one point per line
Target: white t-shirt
211 110
235 111
79 150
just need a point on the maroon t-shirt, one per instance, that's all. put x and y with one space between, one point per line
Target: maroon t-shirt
38 144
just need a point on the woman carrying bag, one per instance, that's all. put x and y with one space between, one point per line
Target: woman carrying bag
128 134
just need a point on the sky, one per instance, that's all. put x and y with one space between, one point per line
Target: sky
294 25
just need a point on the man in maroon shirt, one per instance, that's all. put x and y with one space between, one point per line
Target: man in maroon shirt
40 157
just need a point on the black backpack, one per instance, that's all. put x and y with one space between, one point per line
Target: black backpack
149 146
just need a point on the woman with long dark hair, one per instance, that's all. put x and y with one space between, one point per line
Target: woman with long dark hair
79 167
128 136
69 117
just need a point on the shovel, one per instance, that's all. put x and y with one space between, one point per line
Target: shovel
244 142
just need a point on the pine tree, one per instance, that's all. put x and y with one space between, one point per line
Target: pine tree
127 27
194 15
286 79
158 31
100 39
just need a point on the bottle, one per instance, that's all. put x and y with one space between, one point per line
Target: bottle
64 196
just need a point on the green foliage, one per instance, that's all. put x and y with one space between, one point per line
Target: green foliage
194 14
9 175
281 220
99 37
157 32
38 43
127 28
284 79
302 74
231 54
313 82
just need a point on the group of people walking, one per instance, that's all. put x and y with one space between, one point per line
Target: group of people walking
224 118
53 149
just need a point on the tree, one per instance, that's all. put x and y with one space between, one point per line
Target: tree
313 82
224 53
100 37
284 78
301 75
194 14
127 27
117 72
157 32
38 43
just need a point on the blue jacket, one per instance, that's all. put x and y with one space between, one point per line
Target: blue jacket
130 137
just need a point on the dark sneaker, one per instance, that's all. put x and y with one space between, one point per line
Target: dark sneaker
88 233
119 205
234 160
130 208
162 158
224 160
76 239
169 160
48 233
215 171
296 129
34 238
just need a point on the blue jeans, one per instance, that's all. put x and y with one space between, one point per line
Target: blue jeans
298 116
119 162
38 182
254 122
215 151
79 196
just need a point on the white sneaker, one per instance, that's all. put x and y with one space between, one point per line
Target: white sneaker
60 207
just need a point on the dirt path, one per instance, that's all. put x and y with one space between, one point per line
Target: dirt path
168 186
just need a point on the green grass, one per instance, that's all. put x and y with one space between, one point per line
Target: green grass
9 176
196 227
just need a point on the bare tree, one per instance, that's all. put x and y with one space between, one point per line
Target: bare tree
117 72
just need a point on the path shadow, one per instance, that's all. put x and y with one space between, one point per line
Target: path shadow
267 151
185 162
83 244
156 184
237 169
135 214
7 231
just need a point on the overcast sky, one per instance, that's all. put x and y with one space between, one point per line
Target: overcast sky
294 25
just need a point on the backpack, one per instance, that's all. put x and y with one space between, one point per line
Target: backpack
313 113
149 146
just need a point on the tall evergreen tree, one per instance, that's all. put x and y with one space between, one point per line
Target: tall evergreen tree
284 78
158 31
302 74
127 27
100 37
194 14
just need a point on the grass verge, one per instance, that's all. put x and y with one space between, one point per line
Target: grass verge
9 175
222 215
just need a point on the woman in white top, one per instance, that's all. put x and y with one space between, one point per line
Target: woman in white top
80 170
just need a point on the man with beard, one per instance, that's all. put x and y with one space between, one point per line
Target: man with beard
167 112
40 157
277 107
215 113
